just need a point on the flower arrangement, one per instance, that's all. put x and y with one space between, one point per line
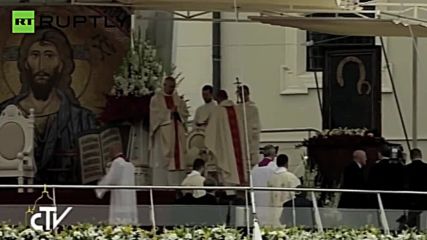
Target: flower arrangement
141 72
342 136
95 232
343 131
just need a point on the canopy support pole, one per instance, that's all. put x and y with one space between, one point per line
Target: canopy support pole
414 93
396 97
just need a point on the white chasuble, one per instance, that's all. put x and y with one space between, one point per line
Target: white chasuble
254 129
225 139
167 139
123 208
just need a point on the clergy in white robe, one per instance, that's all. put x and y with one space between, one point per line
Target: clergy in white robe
123 203
204 112
195 179
225 139
252 121
281 178
260 177
168 114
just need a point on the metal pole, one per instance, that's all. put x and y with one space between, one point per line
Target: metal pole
153 217
414 93
317 218
396 97
383 216
294 217
216 52
248 224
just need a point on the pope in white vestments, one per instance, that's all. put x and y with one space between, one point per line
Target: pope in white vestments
261 173
204 112
168 114
225 139
260 176
123 203
253 122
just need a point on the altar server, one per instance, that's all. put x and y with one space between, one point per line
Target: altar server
204 112
168 114
123 209
196 179
281 178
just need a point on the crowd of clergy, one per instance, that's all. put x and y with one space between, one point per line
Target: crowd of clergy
231 135
231 138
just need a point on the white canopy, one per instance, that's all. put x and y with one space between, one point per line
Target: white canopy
225 5
348 26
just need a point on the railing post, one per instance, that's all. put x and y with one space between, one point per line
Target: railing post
153 217
248 227
383 216
54 196
294 217
317 218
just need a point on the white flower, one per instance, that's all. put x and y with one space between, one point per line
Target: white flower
172 236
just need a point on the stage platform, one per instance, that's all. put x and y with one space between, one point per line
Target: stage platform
80 197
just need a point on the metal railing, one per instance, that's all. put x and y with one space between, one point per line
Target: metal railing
317 217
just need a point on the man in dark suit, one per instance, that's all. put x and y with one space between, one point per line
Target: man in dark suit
353 178
388 174
415 180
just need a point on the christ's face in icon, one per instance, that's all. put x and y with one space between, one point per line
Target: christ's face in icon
44 65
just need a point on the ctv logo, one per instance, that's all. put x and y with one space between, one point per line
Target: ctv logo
50 222
23 21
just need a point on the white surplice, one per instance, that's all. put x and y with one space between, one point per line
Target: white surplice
194 179
202 115
229 159
281 178
123 209
260 176
253 127
167 169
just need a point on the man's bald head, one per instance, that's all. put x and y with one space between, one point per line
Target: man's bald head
360 157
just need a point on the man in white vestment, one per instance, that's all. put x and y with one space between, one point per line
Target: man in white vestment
252 121
281 178
123 208
225 139
203 112
261 173
168 114
195 179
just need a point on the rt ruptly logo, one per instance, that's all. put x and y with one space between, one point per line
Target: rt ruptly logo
51 222
23 21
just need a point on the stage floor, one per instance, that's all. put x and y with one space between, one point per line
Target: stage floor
79 197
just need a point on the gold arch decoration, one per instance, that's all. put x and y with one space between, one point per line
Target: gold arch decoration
362 75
